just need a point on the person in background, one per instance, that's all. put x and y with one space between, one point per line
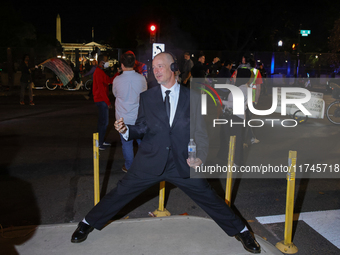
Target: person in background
245 63
199 70
90 72
126 88
141 68
26 80
254 83
215 67
225 71
186 70
100 87
264 80
242 82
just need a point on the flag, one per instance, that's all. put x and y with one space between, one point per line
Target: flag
60 68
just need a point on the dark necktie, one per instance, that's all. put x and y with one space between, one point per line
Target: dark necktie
167 103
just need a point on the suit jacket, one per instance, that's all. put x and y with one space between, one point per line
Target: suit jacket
158 138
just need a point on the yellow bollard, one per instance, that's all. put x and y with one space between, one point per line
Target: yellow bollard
161 211
287 245
96 167
230 174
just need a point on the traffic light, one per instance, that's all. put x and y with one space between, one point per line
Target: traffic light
152 29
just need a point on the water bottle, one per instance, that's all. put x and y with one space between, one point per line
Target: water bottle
192 150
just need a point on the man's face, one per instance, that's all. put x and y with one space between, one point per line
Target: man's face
161 69
229 66
202 59
186 57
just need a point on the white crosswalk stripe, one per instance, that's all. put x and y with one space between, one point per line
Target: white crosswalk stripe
326 223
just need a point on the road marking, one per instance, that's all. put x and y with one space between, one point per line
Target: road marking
326 223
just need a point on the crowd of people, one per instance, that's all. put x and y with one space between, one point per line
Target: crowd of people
131 78
244 75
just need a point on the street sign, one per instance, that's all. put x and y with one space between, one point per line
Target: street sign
305 32
157 48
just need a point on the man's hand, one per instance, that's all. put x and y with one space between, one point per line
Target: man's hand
120 126
110 106
194 163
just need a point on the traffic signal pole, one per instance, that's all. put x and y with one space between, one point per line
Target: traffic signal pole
298 54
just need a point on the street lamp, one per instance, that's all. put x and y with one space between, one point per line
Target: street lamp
279 43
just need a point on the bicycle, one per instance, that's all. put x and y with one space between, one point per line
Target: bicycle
88 84
333 110
52 84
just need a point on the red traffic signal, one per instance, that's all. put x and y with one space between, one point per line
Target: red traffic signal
152 28
152 33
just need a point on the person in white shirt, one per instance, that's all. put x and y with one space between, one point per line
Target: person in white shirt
126 88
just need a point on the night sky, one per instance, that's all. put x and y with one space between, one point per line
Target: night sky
194 24
78 18
76 21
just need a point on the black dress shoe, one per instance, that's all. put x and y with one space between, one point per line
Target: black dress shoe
249 242
81 233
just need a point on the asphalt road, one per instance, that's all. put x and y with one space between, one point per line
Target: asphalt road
46 169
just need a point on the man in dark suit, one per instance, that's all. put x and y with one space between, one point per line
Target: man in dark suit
165 131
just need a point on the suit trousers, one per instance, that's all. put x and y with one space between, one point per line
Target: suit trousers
134 184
